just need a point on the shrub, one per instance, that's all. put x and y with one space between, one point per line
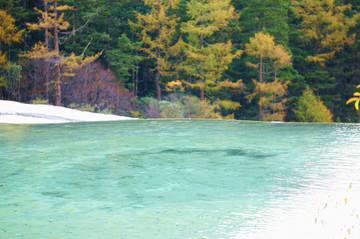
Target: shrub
310 108
195 108
153 108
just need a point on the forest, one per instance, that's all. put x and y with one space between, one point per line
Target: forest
267 60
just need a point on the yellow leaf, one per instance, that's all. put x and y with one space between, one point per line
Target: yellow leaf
352 100
356 94
350 186
357 105
345 200
358 86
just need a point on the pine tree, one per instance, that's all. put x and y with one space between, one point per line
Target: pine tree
124 59
156 29
268 16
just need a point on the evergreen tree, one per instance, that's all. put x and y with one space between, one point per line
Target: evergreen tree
124 59
268 16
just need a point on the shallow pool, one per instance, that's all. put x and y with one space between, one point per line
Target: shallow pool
167 178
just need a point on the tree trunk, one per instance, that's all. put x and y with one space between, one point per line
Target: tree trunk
157 85
157 81
261 80
202 97
47 64
57 64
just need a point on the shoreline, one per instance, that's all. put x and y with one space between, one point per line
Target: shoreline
12 112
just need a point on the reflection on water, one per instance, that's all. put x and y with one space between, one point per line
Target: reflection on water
171 179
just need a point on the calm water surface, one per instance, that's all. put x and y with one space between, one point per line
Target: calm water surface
164 178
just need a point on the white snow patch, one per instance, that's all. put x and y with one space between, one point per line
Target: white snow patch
19 113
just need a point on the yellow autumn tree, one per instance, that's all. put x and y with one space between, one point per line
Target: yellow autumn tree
156 29
271 90
205 61
8 34
326 25
51 19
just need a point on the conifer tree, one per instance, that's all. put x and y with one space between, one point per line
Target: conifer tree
207 61
8 34
268 16
156 29
56 22
123 59
270 59
326 26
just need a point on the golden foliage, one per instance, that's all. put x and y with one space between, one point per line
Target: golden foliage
3 60
73 62
208 16
326 24
156 29
195 108
355 99
174 86
39 51
263 46
8 34
48 19
8 30
272 101
229 105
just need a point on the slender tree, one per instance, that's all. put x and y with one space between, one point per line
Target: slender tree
56 22
156 29
207 61
270 59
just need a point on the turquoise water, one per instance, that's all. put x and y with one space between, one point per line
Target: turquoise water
163 178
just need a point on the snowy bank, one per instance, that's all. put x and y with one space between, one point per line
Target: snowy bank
18 113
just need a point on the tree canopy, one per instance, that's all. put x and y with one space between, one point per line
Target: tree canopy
238 59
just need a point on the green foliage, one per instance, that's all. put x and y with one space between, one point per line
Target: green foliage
207 62
39 101
192 47
97 108
196 108
124 59
310 108
180 107
161 109
269 16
